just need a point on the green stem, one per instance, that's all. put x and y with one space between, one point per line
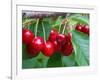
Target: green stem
60 25
36 27
64 28
44 32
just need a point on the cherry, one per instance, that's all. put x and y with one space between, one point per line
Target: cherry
48 49
53 35
85 29
27 36
67 49
56 46
37 43
69 36
31 51
61 39
79 27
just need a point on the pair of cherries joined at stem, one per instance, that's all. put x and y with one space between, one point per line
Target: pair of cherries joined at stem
83 28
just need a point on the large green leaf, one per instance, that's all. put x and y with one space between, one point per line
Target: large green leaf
79 18
69 60
30 63
39 61
81 46
55 60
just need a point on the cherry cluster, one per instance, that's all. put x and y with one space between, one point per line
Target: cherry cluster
56 43
83 28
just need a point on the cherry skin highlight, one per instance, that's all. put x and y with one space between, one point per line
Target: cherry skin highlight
79 27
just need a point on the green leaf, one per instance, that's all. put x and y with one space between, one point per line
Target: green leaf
58 21
42 59
55 60
30 63
47 27
81 46
79 18
69 60
24 52
39 61
73 22
32 27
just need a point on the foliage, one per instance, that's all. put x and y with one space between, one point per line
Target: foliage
80 41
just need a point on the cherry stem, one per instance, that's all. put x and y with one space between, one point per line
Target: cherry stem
64 28
60 26
36 27
44 32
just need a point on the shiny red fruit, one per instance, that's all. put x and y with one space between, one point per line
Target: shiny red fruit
53 35
56 46
31 51
48 49
61 39
85 29
27 36
67 49
37 43
79 27
69 36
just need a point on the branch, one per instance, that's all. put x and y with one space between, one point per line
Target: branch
37 14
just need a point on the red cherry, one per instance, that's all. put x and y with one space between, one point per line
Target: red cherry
69 36
67 49
37 43
79 27
31 51
48 49
61 39
56 46
85 29
27 36
53 35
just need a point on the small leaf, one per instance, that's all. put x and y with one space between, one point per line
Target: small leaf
55 61
81 46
